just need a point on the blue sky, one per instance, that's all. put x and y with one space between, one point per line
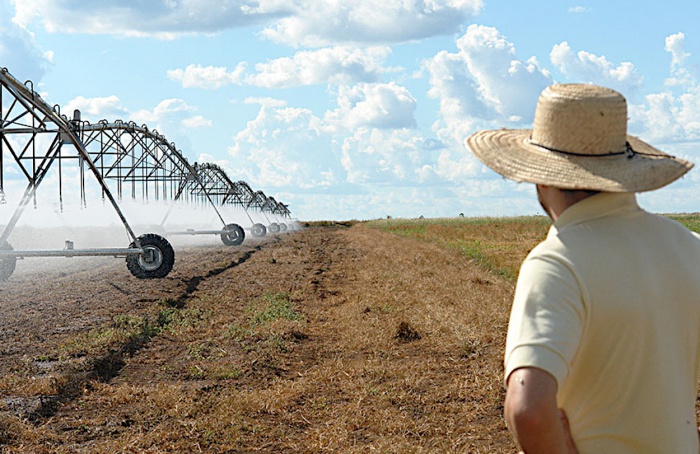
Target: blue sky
358 110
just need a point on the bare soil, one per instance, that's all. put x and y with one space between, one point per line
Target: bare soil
394 346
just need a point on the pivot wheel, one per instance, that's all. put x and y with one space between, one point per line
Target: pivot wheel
274 227
7 263
233 236
157 258
258 230
283 226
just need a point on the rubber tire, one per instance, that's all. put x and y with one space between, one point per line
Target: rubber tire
274 227
258 230
158 268
7 264
283 226
234 236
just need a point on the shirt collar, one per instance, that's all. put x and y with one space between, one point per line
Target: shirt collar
596 206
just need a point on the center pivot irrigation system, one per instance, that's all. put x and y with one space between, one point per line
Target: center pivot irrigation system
126 160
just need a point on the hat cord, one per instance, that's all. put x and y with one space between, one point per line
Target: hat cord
629 151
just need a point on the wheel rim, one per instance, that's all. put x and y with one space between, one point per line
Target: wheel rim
233 235
258 230
151 258
155 259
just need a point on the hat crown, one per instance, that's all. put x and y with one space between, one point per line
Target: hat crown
581 119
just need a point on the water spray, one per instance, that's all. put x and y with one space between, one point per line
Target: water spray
124 159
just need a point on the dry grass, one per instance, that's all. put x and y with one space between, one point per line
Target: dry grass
384 336
498 244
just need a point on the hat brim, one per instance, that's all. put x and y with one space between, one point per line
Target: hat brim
510 153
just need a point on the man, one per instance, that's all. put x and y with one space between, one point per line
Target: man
603 346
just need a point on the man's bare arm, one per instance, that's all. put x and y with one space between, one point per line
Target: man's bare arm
532 415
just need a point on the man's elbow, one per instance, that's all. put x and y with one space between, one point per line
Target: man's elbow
530 404
526 418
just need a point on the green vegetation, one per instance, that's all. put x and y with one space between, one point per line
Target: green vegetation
497 244
274 306
692 221
377 337
268 322
125 332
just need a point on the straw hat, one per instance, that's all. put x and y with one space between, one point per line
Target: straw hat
579 141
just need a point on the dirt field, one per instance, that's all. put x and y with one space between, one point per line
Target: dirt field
330 339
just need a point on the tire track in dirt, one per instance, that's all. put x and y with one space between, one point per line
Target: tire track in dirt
397 350
192 284
69 379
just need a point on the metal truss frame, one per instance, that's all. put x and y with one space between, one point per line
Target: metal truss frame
126 160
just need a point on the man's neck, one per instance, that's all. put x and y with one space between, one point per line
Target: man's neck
555 201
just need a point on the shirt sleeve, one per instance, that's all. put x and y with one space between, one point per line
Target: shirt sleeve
547 317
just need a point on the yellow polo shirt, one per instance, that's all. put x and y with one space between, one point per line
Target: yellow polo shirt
609 304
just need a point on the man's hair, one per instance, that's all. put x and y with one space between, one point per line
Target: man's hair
587 191
578 194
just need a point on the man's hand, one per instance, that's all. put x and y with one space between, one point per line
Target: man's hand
532 415
570 446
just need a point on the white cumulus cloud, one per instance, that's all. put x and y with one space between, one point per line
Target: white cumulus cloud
675 45
19 52
95 109
584 66
505 83
164 110
373 155
316 23
336 65
209 77
373 105
164 19
197 121
170 118
313 23
284 147
483 85
368 139
680 73
673 115
269 102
